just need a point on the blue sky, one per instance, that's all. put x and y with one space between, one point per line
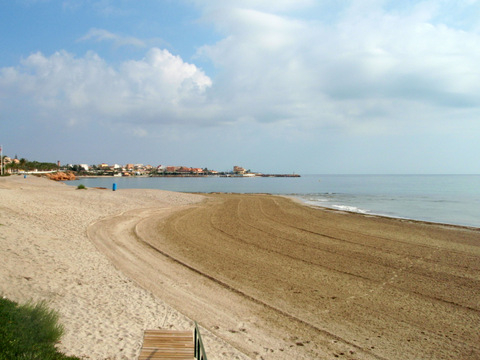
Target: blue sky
305 86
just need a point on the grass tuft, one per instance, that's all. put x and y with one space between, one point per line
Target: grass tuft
81 187
29 331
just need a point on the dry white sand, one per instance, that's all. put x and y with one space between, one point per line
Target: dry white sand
46 255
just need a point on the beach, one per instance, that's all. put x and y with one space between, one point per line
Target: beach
46 255
265 276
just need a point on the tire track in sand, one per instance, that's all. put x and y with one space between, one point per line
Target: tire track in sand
265 290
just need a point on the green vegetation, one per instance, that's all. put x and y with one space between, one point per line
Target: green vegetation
26 165
81 187
29 331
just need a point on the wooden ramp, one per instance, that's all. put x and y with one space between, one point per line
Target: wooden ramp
167 344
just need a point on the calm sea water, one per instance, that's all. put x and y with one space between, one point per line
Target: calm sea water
452 199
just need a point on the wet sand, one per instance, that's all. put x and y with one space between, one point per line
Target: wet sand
281 280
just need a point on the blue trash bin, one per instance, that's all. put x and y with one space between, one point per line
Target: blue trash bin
114 187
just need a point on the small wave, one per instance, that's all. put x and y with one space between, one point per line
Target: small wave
314 200
349 208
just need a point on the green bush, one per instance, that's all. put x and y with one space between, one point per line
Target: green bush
81 187
29 331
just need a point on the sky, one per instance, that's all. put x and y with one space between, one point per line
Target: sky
275 86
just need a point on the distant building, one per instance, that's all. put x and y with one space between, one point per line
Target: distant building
184 170
239 170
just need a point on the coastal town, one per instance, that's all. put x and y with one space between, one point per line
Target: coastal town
23 166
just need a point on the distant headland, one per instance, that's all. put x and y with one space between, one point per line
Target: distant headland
23 166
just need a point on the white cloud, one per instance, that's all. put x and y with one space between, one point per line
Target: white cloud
373 66
161 88
100 35
139 132
373 60
264 5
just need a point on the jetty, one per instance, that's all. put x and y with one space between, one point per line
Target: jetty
279 175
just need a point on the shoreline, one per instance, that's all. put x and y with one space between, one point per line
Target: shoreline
468 227
433 209
271 277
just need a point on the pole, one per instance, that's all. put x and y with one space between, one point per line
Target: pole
1 161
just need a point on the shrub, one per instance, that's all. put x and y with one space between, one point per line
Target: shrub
81 187
29 331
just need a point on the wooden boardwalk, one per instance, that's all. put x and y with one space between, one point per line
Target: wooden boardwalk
167 344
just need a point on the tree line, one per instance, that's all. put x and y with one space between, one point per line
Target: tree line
25 165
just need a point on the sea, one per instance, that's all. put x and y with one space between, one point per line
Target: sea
448 199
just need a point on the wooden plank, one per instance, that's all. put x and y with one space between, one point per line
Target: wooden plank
153 354
161 345
168 332
167 344
170 339
168 350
